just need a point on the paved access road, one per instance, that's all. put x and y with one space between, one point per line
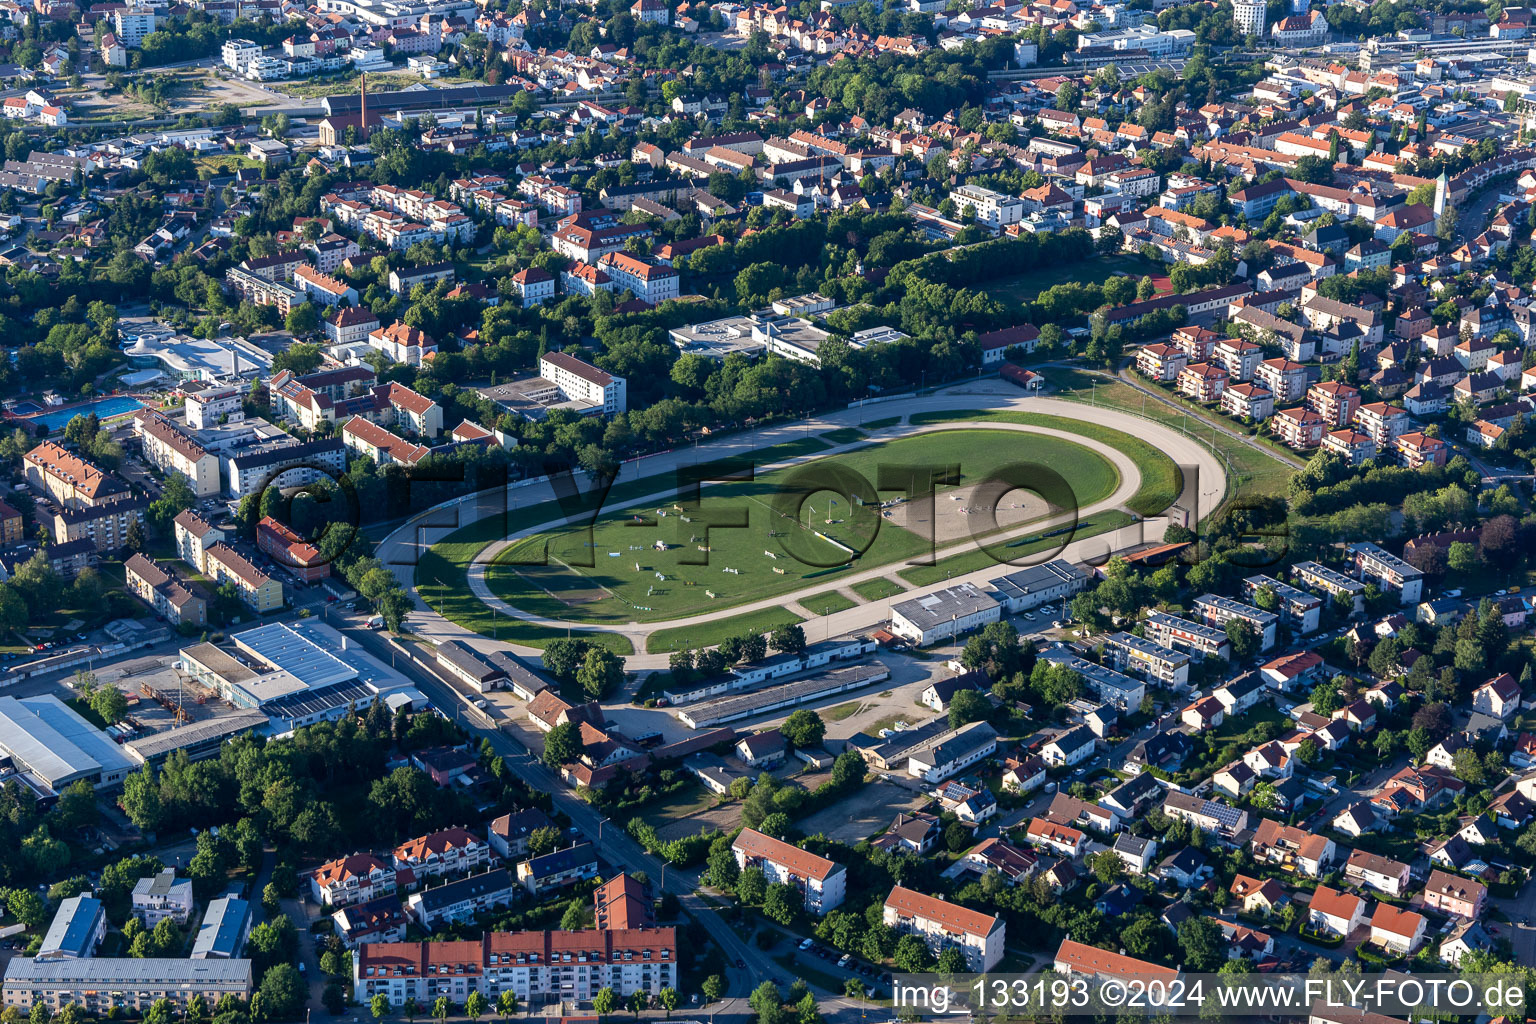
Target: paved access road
1204 490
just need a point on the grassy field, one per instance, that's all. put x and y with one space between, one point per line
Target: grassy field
844 435
970 561
827 602
1253 472
877 589
378 81
658 563
707 634
1024 287
1161 480
440 574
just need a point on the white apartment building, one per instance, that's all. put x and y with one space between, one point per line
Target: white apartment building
943 924
240 54
1197 638
651 283
448 852
823 882
583 382
212 406
162 896
171 451
1376 565
1153 662
133 24
1248 16
994 209
347 880
1301 610
1218 611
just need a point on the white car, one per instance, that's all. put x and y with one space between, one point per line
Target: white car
806 945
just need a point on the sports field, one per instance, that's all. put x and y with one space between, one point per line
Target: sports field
801 528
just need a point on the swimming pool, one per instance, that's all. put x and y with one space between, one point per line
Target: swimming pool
104 408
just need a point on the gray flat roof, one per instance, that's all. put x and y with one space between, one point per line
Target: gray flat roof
128 972
164 742
37 741
941 606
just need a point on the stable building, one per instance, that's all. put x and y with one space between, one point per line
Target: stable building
944 614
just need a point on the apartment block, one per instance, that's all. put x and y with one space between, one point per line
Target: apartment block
1387 571
71 480
1150 661
583 382
1200 640
1300 427
1334 401
821 881
129 985
104 526
1285 379
194 536
257 589
1300 610
1382 421
994 209
1218 611
946 925
171 451
162 897
1342 588
172 600
534 966
348 880
1161 362
450 851
1204 382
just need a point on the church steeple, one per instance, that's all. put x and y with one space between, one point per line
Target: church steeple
1442 194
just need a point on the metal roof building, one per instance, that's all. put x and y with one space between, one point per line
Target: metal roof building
296 673
224 930
54 746
78 927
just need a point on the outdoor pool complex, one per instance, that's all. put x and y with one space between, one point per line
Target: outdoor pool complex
104 408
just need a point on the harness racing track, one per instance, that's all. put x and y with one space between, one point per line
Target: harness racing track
409 549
